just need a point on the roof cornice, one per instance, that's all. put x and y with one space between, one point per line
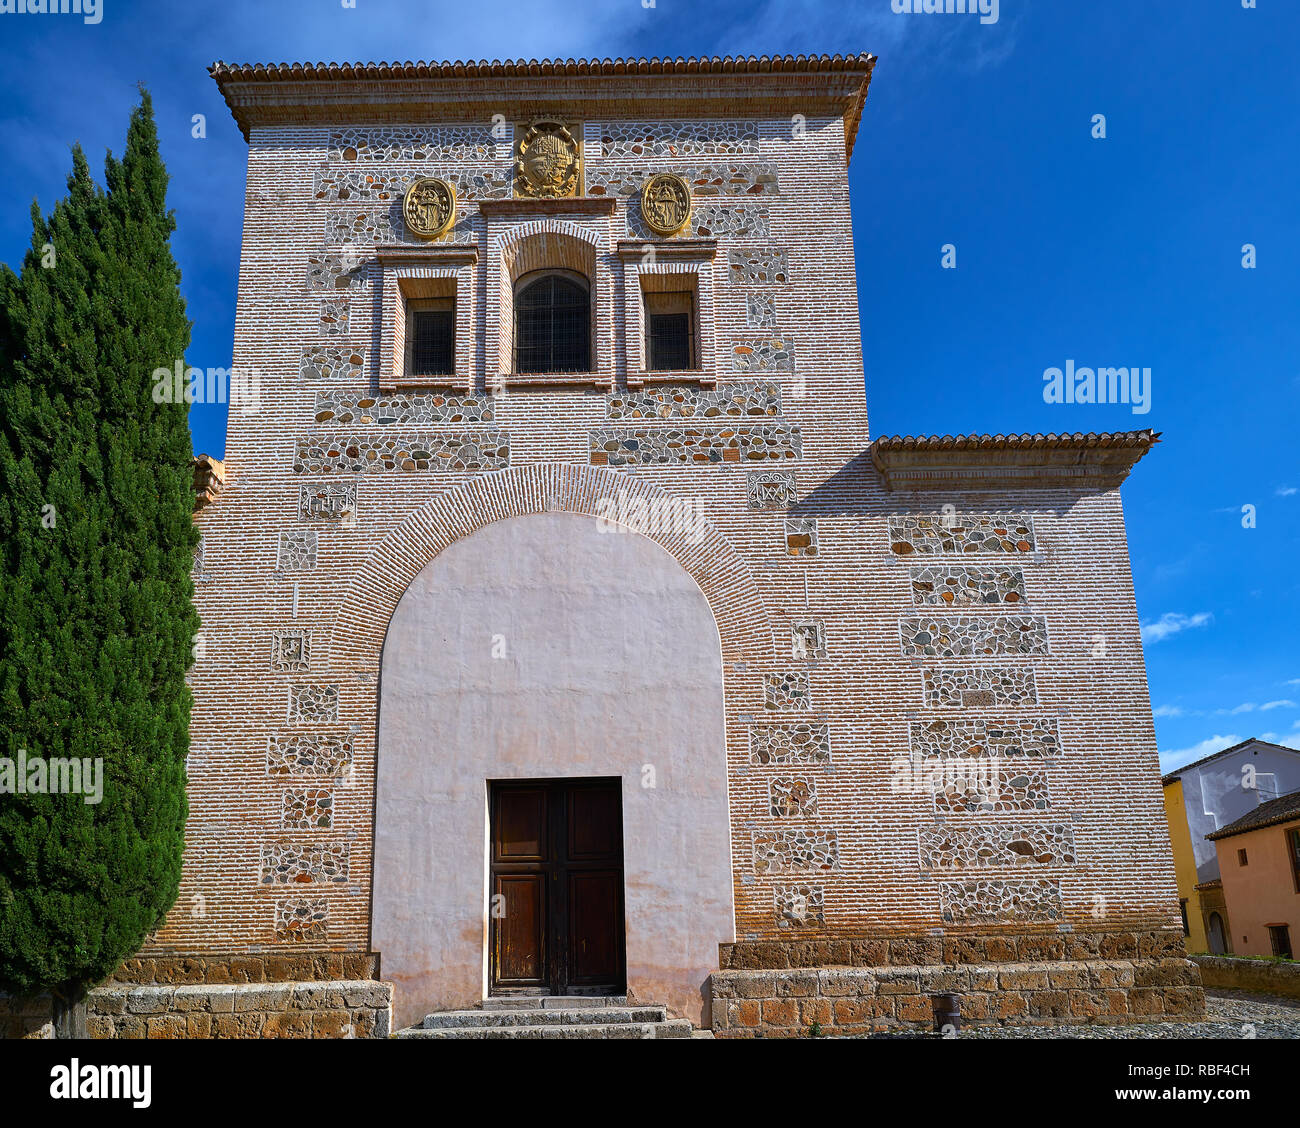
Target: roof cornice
987 462
261 94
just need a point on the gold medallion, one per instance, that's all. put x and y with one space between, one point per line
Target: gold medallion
666 203
429 207
549 161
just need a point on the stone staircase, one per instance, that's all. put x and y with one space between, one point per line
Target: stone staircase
552 1016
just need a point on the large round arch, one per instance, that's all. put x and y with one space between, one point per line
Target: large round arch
534 635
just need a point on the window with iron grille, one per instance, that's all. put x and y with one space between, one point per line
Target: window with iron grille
431 337
670 331
552 325
1293 851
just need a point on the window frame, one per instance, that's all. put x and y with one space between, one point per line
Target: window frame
687 297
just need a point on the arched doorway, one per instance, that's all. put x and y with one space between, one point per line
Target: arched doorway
550 647
1217 935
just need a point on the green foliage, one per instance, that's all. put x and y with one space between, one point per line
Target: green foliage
96 547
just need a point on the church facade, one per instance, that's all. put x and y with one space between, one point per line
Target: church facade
566 631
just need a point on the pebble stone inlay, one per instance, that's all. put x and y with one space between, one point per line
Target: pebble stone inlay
996 844
781 851
790 690
969 636
334 272
332 362
758 266
980 687
424 143
724 178
760 311
1024 789
334 317
286 863
196 569
956 586
770 489
995 901
800 743
302 921
800 906
801 536
1033 737
763 354
708 221
297 550
613 446
309 753
341 408
307 808
807 640
735 400
290 651
792 797
327 502
961 532
383 185
637 139
368 227
313 704
422 450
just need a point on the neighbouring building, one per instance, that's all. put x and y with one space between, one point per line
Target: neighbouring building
1205 797
1259 859
565 629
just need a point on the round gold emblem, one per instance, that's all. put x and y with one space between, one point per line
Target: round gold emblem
549 160
429 207
666 203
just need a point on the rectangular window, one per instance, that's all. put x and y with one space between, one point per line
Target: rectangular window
1293 851
430 337
670 331
1241 858
1182 908
1279 935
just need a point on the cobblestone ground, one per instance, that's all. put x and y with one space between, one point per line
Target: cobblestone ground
1229 1014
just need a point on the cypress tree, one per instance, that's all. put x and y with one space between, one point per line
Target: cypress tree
96 614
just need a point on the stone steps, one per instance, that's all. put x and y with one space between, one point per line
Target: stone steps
551 1017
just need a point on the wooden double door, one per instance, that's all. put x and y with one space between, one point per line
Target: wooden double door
556 908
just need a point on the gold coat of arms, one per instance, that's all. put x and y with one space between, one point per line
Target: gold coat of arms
429 207
549 161
666 203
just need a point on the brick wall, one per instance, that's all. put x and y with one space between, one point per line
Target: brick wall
841 654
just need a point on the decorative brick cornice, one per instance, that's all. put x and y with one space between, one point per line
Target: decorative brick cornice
209 476
668 248
977 462
261 94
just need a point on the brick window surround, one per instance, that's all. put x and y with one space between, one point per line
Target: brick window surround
412 274
664 266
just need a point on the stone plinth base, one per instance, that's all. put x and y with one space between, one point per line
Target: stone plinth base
320 1009
796 1002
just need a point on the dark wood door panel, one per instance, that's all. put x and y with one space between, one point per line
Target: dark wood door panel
557 883
595 927
521 936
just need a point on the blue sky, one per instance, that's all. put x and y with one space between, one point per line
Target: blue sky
1125 251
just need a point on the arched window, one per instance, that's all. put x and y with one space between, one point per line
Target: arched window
552 323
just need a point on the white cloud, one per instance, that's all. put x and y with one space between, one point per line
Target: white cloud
1180 757
1284 704
1167 711
1286 491
1172 623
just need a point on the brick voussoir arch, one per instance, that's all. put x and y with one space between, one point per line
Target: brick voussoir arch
723 577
